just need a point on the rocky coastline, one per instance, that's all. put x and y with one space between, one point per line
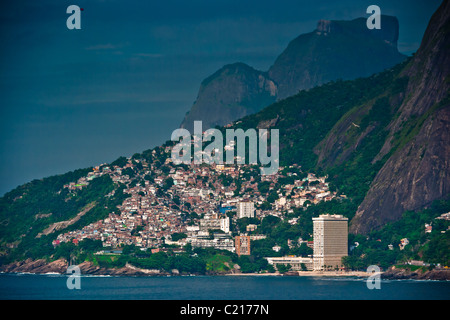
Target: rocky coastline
60 266
394 273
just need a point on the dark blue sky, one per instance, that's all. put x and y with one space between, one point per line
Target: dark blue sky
75 98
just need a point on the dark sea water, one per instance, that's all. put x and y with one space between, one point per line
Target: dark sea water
54 287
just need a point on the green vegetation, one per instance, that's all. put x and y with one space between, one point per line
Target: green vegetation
38 197
184 263
44 202
219 263
178 236
412 126
306 118
121 162
437 250
430 247
283 268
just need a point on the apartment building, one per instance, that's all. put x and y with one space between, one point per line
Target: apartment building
242 245
330 241
245 209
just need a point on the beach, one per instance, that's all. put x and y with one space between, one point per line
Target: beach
361 274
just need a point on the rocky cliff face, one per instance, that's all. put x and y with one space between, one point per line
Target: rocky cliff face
60 266
335 50
39 266
418 171
412 178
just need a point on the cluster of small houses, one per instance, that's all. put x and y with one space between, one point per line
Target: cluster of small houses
428 228
148 220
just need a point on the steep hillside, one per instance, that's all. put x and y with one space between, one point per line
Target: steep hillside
334 129
418 171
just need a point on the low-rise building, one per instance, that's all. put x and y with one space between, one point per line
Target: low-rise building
296 263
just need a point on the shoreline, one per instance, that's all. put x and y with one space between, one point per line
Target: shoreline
163 274
42 267
359 274
60 266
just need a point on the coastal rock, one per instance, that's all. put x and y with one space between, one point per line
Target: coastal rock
57 266
405 273
89 268
40 266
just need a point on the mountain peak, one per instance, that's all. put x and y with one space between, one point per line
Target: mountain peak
388 33
337 49
230 93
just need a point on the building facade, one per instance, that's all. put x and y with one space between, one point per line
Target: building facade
330 241
242 245
225 224
214 221
219 241
246 209
296 263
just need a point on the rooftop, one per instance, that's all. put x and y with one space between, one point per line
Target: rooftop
330 217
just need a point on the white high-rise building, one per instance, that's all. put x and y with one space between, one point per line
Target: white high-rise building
246 209
330 241
225 224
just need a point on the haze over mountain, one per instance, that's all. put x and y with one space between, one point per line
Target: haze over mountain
335 50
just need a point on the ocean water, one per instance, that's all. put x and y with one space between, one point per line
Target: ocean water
54 287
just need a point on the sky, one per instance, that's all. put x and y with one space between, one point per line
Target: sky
71 99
